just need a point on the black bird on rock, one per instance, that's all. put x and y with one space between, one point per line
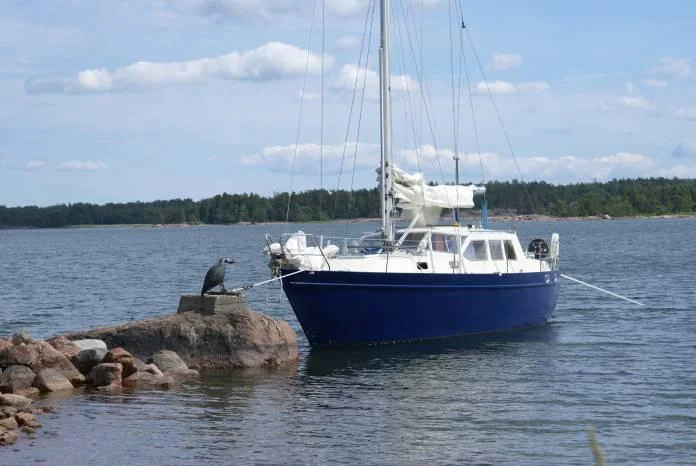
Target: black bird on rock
216 276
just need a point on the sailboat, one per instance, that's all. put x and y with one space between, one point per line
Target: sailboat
420 281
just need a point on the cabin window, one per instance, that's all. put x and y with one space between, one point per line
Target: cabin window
476 251
509 250
412 240
496 248
444 243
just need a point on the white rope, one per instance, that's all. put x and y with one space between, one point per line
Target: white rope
248 287
602 290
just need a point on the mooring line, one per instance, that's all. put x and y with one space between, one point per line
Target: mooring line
602 290
248 287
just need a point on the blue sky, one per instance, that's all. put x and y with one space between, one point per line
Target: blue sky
155 99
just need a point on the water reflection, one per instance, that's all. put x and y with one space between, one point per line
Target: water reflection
332 361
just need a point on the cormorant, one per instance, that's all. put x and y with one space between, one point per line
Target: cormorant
216 276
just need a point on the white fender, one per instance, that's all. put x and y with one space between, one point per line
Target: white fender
554 250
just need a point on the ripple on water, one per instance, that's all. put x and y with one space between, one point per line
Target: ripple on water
517 398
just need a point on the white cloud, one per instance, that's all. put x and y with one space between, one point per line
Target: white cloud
508 88
631 102
685 149
82 165
347 42
674 68
627 102
273 60
686 113
506 61
279 157
565 168
656 83
629 87
34 165
679 171
347 7
557 169
307 96
346 80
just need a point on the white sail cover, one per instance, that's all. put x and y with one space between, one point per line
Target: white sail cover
412 191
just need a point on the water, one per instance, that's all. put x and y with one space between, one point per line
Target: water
515 398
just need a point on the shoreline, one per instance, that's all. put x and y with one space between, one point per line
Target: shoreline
508 218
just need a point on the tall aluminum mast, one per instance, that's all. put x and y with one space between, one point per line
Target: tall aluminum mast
386 200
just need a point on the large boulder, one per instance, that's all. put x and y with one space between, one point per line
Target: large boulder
17 379
8 437
15 401
19 355
124 358
90 343
27 420
170 363
50 380
69 349
88 358
242 338
148 380
8 423
38 355
22 338
105 374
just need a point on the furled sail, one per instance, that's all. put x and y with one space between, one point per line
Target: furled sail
414 196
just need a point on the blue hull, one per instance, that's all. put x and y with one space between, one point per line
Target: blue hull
347 308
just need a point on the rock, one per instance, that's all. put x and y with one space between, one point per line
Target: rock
90 343
168 361
152 369
50 380
27 419
106 373
139 364
112 387
43 409
16 401
19 355
16 379
9 423
37 355
7 411
147 379
243 338
88 358
211 303
124 358
8 438
52 358
69 349
22 338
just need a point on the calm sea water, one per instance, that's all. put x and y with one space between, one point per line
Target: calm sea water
515 398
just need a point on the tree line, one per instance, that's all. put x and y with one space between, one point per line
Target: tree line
618 198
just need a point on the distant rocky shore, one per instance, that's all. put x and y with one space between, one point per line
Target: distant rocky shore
215 332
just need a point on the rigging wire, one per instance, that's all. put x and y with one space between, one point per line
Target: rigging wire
352 101
409 110
321 116
471 100
497 112
362 101
424 98
299 120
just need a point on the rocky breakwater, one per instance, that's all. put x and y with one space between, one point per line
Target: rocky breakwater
214 332
218 332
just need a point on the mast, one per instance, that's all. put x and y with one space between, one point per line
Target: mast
386 200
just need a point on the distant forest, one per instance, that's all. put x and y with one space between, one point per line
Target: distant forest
618 198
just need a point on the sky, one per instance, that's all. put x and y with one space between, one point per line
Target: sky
131 100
